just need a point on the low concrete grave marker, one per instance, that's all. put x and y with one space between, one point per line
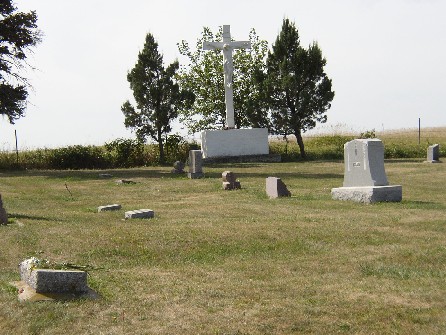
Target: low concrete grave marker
105 175
105 208
195 164
139 214
41 283
230 181
433 153
125 181
275 188
365 179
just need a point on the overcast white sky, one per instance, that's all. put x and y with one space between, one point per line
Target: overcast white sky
386 59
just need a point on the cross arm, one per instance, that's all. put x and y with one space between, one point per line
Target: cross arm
212 45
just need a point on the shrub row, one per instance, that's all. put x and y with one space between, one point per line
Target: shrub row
121 153
125 153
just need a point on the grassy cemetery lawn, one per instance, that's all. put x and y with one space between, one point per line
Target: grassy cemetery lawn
230 262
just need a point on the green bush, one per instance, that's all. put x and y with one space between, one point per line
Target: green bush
78 157
125 152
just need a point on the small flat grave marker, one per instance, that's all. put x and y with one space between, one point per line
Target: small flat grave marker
125 181
139 214
105 208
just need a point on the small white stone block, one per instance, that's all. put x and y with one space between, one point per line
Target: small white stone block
369 194
140 214
114 207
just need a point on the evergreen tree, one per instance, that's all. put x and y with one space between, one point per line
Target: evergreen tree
18 33
297 88
157 96
204 77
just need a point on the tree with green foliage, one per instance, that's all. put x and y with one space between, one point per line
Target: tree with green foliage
204 77
18 34
297 88
157 95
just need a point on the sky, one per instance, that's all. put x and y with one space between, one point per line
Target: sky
386 59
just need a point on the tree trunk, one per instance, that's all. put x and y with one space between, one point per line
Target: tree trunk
161 147
300 143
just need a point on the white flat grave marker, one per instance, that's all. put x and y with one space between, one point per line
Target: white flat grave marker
140 214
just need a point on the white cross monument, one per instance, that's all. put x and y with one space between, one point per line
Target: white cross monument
228 46
231 141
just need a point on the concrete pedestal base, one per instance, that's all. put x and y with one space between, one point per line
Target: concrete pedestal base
234 142
369 194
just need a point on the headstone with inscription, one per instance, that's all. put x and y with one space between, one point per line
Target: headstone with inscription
195 164
365 178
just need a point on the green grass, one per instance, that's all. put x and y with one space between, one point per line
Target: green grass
230 262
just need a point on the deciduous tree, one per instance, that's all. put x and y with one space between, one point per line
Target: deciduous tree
18 34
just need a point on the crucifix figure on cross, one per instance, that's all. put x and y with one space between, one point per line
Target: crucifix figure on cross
227 46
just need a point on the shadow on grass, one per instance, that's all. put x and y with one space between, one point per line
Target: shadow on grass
92 174
418 204
28 217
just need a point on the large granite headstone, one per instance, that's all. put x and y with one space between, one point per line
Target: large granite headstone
365 178
433 153
195 164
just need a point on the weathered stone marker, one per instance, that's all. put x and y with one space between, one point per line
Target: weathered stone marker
230 181
3 214
52 281
276 188
114 207
178 167
365 179
195 164
139 214
433 153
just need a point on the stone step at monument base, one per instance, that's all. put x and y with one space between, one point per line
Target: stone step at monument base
271 158
140 214
368 194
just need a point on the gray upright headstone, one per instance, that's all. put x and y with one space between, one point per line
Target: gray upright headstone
195 164
364 163
275 188
365 179
433 153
